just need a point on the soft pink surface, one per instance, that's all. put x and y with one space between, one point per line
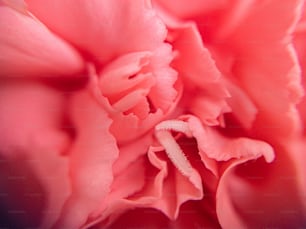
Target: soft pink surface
28 48
97 27
299 147
131 110
31 131
299 42
253 49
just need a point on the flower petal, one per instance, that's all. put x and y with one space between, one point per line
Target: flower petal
28 48
129 178
28 110
18 5
242 107
165 189
172 187
91 159
221 148
300 46
297 153
31 129
30 187
125 184
273 83
144 78
187 8
97 28
261 195
205 92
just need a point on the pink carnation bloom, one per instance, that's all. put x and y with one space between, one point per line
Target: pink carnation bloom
154 114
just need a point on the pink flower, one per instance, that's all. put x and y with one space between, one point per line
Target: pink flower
138 113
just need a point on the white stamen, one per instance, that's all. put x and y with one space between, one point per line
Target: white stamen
176 125
172 148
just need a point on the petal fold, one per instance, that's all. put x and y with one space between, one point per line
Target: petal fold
91 159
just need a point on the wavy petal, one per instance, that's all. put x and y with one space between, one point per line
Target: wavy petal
261 195
238 39
300 46
222 148
128 126
118 202
91 159
141 74
172 187
205 92
165 189
129 178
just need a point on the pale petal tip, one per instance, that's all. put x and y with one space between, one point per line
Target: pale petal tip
269 155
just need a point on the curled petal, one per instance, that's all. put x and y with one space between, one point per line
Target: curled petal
221 148
129 178
158 185
258 195
126 70
172 188
205 92
147 90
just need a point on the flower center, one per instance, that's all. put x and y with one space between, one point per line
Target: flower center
172 148
127 83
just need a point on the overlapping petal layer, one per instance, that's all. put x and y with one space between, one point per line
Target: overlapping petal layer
90 160
98 28
151 128
28 48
